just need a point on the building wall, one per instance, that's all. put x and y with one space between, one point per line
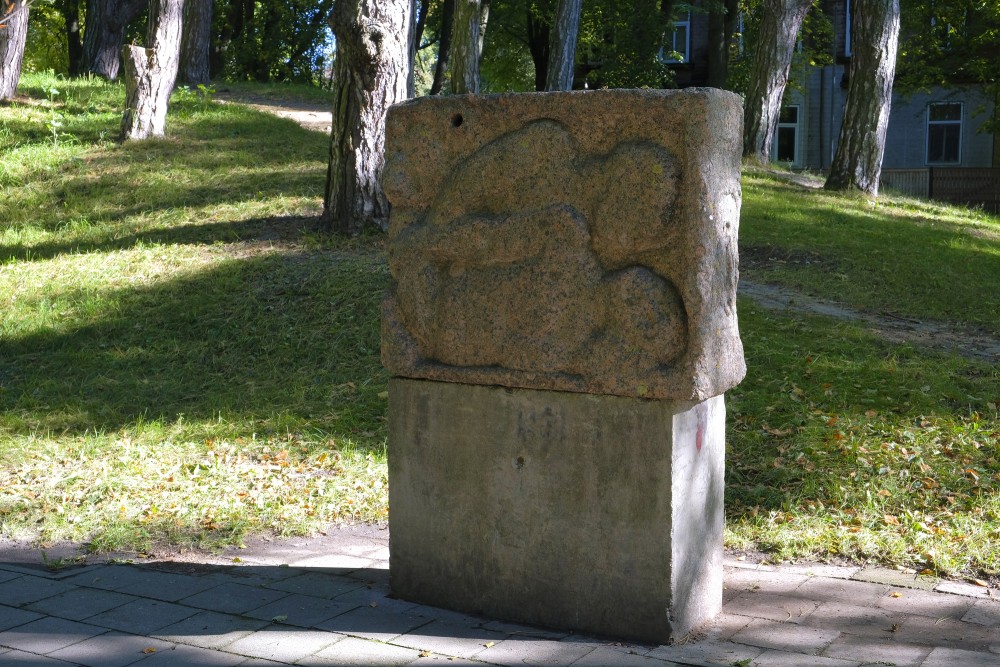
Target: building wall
906 141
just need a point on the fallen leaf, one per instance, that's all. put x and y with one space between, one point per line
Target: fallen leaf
149 649
891 520
870 413
897 594
894 627
384 395
980 582
424 654
489 644
883 492
373 604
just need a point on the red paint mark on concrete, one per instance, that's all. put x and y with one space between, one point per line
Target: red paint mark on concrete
700 411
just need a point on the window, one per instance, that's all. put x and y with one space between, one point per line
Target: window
678 43
786 141
944 133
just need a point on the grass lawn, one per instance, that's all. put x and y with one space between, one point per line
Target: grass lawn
186 359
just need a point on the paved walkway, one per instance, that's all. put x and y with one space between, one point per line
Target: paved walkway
325 601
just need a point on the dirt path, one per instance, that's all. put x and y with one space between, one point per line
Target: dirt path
939 335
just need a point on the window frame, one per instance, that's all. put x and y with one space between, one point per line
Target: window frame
797 126
928 123
686 53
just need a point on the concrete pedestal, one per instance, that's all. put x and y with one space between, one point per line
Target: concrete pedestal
574 511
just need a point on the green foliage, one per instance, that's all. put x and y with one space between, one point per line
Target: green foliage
45 48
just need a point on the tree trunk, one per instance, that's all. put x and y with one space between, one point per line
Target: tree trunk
13 33
772 58
722 21
538 46
562 53
874 38
70 10
371 73
196 38
150 72
444 45
105 34
465 48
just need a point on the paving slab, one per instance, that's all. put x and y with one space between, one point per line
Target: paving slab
253 575
233 598
317 584
763 581
47 635
612 656
773 606
210 629
166 586
283 644
23 659
11 617
984 612
532 651
821 589
962 588
142 617
191 656
786 659
785 636
947 633
450 639
373 623
111 649
882 575
7 576
80 603
27 589
821 570
877 650
300 610
926 603
361 653
952 657
854 620
709 652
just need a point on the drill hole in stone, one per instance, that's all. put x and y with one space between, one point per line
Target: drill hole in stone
457 120
519 462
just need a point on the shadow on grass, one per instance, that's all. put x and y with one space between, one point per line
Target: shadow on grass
292 334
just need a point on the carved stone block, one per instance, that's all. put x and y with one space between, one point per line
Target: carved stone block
579 242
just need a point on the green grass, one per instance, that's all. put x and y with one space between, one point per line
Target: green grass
185 359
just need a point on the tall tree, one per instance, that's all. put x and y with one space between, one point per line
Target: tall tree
874 38
780 22
104 34
562 52
70 11
465 47
723 19
150 72
444 45
196 38
13 34
371 72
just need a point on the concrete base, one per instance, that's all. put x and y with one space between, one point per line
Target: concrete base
593 513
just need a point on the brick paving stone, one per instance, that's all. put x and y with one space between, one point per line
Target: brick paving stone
521 651
254 575
861 621
233 598
612 656
317 584
361 653
26 589
709 651
451 639
142 617
166 586
881 575
760 581
772 606
947 633
859 593
47 634
210 629
376 624
785 636
878 650
300 610
959 588
283 644
449 615
984 612
192 656
112 649
786 659
821 570
724 626
7 576
80 603
926 603
108 577
11 617
22 659
373 597
951 657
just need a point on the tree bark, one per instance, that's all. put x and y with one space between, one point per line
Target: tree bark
562 52
13 33
772 58
105 34
70 10
444 45
196 38
874 40
722 21
371 73
150 72
465 48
